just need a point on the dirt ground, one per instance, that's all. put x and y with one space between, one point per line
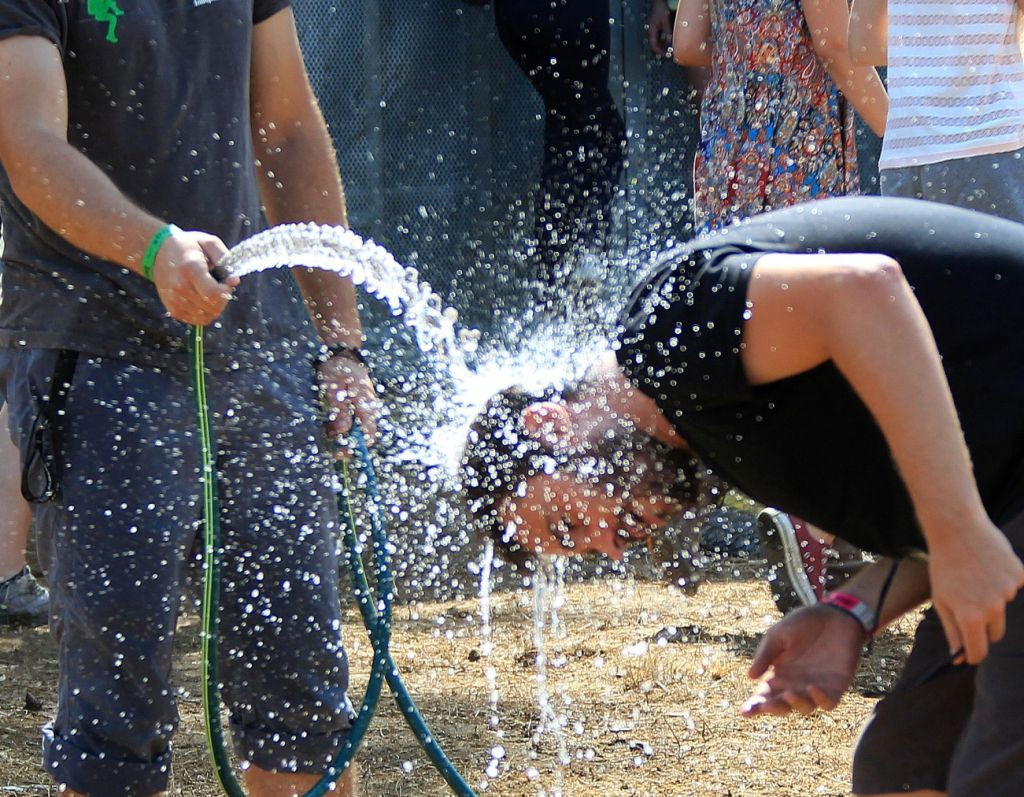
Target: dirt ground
639 718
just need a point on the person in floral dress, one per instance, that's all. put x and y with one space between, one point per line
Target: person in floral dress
777 126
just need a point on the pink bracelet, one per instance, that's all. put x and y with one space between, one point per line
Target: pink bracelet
854 607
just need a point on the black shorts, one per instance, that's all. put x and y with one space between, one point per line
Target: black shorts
956 729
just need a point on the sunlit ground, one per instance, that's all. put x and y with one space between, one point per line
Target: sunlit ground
640 719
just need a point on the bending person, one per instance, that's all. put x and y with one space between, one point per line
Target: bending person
854 361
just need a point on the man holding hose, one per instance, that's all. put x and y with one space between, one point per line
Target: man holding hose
113 131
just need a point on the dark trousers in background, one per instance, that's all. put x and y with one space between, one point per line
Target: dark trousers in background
562 47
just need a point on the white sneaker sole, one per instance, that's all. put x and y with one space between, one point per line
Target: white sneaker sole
785 560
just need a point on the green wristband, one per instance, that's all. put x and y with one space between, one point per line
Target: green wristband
149 259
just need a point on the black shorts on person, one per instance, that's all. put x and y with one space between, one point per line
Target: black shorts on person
951 728
809 446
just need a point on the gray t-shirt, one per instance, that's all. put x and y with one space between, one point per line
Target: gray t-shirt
158 98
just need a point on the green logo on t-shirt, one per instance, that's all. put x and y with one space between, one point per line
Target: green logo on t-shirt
106 11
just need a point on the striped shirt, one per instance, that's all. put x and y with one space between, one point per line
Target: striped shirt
956 81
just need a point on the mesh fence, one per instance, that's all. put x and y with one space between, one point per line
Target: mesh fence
439 138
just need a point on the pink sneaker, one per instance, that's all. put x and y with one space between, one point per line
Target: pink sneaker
796 560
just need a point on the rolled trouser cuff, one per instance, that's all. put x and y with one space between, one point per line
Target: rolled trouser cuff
92 773
304 752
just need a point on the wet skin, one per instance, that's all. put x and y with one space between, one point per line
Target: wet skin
560 515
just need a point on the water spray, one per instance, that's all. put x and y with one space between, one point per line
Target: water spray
339 250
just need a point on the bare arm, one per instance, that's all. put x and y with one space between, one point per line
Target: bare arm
828 22
810 657
869 32
908 590
300 182
691 35
77 200
859 312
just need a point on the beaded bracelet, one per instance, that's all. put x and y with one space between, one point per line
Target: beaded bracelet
149 259
342 349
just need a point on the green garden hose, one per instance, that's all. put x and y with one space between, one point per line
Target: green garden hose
377 620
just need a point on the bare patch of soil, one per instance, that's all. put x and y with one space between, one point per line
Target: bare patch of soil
660 719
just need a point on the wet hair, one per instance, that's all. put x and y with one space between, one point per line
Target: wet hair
500 456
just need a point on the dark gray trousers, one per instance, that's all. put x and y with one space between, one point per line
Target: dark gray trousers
117 540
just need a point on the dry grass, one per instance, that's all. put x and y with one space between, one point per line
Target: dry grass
657 722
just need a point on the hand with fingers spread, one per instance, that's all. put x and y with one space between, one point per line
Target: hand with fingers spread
810 658
348 396
184 281
974 573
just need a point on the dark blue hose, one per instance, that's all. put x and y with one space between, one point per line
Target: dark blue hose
377 621
378 624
